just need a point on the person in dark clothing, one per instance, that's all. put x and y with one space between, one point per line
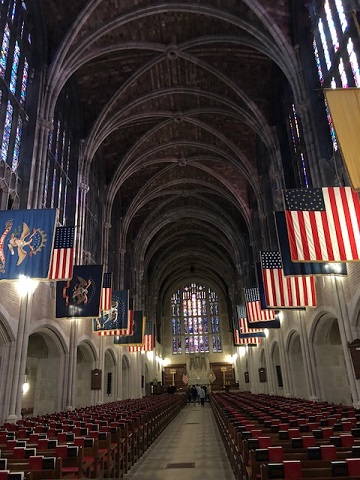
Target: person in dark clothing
194 394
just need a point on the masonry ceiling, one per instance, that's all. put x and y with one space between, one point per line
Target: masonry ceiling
176 99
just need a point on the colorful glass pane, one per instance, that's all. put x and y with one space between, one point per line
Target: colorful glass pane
24 82
15 160
330 21
14 68
12 8
318 64
4 50
353 62
341 13
344 80
324 44
7 132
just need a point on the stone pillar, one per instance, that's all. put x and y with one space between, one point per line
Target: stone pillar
308 362
80 221
19 364
70 403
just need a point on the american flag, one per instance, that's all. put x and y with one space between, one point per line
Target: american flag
236 332
250 341
149 339
185 378
106 293
323 224
62 258
285 292
253 307
245 331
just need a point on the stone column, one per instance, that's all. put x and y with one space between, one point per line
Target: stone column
308 361
70 403
82 190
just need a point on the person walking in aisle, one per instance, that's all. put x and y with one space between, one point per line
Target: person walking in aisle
202 396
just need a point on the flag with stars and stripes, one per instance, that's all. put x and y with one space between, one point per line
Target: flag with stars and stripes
245 331
253 307
323 224
302 269
251 341
149 339
106 293
185 378
62 258
285 292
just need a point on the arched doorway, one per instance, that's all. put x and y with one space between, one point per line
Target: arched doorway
330 363
125 384
109 376
85 362
45 366
296 366
277 370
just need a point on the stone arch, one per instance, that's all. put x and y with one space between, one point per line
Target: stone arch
126 375
276 369
109 380
45 371
299 387
85 363
329 360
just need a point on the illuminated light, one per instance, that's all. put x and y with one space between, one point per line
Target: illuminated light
266 331
25 387
26 285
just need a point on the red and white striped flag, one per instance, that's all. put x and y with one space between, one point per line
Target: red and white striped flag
148 342
62 258
250 341
253 307
106 293
285 292
323 224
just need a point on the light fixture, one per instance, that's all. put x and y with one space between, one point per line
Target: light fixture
26 384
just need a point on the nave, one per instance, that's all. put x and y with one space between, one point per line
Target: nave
189 448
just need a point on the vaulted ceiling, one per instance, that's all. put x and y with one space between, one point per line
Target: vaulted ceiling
178 100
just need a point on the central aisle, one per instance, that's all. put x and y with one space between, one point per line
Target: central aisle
189 449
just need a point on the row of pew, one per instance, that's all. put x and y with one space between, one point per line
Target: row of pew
102 441
272 438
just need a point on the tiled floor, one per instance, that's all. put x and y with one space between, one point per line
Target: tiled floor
192 439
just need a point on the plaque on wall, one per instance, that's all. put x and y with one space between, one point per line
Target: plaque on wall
247 378
262 375
96 379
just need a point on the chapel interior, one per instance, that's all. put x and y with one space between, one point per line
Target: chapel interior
166 133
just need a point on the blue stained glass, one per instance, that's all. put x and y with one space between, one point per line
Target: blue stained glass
15 160
54 181
4 50
14 68
341 13
324 44
318 64
334 37
344 80
353 62
7 132
24 82
12 10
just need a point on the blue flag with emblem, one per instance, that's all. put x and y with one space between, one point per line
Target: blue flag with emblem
26 243
138 331
80 296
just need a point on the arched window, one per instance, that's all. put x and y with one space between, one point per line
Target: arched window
298 149
336 59
14 71
195 319
60 169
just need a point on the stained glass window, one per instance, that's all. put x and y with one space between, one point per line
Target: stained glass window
193 309
353 62
298 149
7 132
4 50
14 70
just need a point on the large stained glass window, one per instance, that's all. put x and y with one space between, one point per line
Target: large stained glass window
195 318
297 147
14 72
336 60
58 172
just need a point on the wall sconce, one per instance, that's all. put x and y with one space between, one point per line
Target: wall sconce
26 384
